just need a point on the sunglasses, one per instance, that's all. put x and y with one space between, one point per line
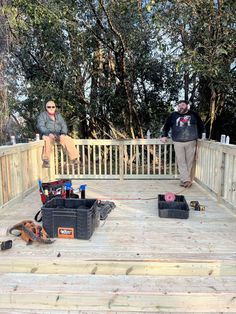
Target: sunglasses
51 107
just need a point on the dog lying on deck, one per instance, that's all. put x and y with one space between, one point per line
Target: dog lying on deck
30 232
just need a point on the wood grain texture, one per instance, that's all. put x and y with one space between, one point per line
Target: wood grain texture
135 262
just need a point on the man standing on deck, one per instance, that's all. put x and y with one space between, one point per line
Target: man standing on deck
186 127
52 127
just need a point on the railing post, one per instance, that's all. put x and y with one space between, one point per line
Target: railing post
219 173
1 185
121 157
22 188
52 164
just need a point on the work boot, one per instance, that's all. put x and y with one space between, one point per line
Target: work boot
46 163
187 184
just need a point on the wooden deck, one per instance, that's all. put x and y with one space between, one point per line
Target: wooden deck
134 262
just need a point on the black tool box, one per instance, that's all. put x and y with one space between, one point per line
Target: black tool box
175 209
70 218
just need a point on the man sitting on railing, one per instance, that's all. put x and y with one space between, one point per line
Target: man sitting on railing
52 127
186 127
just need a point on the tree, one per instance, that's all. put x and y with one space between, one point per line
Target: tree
202 34
4 40
48 59
85 56
116 75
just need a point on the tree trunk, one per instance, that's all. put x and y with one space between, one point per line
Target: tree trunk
216 106
186 85
3 85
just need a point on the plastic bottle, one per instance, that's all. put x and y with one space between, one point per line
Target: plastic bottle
222 139
82 190
67 188
227 140
13 140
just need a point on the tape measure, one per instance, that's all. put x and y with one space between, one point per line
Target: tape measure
197 206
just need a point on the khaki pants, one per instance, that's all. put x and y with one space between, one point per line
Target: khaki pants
185 153
66 142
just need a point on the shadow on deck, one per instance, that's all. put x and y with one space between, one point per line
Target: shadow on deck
134 261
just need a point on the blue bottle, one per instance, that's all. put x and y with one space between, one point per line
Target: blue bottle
82 189
68 189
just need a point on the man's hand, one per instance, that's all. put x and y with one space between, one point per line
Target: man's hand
163 139
52 136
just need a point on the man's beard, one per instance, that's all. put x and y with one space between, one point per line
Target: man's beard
183 110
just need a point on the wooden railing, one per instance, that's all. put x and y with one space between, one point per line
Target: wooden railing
216 170
21 165
20 169
119 159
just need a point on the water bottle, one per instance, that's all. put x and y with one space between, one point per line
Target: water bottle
13 140
68 189
203 136
222 139
227 140
82 190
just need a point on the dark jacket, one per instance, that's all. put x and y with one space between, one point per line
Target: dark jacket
184 127
46 125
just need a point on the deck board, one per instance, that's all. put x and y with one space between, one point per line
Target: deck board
117 292
134 227
133 244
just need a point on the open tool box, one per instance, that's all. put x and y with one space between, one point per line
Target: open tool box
60 188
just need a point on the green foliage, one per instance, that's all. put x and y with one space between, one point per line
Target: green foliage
201 37
117 66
